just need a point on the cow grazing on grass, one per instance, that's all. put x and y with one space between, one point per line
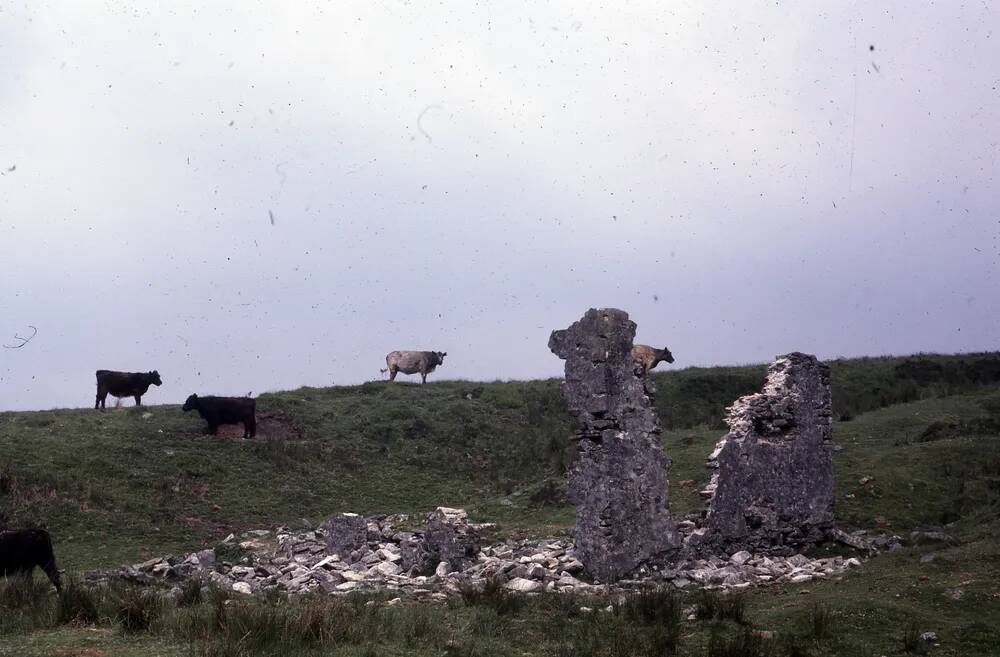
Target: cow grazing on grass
124 384
225 410
411 362
22 550
646 358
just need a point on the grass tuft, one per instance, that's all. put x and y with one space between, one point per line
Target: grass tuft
78 604
822 621
712 605
492 594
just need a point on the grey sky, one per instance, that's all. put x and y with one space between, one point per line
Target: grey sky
744 179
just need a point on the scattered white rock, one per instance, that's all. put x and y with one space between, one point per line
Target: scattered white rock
522 585
740 557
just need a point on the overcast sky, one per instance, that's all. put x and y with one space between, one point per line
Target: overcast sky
270 195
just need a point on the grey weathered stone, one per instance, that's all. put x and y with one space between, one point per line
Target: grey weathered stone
523 585
773 485
450 537
242 587
619 480
345 533
414 554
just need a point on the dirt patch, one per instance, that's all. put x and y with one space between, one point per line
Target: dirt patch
78 652
271 426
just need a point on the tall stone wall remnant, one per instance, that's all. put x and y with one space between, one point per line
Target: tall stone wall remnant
773 481
619 479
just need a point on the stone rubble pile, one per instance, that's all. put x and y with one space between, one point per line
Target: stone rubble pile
300 562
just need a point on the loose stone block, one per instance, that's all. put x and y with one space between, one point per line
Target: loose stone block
345 533
450 537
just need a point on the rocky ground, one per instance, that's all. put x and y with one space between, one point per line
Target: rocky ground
289 561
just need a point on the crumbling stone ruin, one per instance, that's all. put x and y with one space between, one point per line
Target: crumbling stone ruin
448 538
262 561
773 484
619 480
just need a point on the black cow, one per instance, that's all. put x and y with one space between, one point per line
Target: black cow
225 410
22 550
124 384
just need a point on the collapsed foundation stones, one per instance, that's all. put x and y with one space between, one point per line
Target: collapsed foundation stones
773 481
295 563
619 480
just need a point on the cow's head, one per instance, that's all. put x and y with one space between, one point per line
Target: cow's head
666 356
154 378
191 403
439 357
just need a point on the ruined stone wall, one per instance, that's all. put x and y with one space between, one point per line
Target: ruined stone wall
619 480
773 485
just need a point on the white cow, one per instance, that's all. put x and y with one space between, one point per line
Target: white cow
411 362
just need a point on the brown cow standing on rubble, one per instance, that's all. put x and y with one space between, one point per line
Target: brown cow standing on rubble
124 384
411 362
646 358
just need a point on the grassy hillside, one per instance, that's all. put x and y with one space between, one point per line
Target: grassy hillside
120 484
922 433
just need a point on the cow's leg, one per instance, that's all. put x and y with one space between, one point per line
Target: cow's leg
213 429
250 427
53 573
392 372
423 377
102 395
138 400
